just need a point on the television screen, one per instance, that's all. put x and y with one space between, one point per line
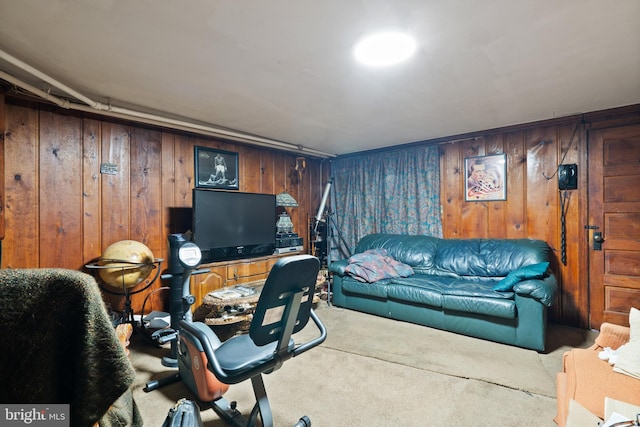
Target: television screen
228 225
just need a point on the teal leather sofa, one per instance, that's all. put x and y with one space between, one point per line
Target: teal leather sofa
452 287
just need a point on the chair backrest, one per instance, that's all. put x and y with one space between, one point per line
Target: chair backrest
289 275
60 344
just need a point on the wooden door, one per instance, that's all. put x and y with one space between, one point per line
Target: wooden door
614 208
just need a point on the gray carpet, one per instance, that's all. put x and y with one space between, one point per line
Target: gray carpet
373 371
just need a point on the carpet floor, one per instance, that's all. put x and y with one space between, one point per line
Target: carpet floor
373 372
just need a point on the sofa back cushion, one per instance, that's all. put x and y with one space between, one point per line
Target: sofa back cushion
459 257
416 251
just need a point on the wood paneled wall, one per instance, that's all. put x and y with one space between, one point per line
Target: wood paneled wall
62 212
534 205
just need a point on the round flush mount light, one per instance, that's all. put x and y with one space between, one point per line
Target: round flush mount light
384 48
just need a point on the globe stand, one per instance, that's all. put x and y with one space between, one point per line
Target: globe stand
127 314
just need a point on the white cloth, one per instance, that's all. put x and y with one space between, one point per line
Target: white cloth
627 360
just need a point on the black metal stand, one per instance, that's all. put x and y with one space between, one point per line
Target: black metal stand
180 302
228 412
318 238
332 226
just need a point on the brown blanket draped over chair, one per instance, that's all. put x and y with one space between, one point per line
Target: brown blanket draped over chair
59 346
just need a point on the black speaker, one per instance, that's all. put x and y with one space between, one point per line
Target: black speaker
568 177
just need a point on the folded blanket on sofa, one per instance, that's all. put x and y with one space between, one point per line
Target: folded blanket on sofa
376 264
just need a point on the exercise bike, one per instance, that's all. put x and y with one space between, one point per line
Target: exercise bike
208 366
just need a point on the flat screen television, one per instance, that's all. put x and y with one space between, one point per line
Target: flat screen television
230 224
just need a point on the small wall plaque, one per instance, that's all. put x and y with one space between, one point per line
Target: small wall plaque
109 168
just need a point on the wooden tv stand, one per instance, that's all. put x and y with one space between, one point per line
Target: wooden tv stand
229 273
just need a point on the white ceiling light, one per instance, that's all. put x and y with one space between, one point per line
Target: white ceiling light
384 48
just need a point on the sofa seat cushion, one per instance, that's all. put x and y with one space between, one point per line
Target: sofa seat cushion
425 281
420 289
477 296
494 307
378 289
476 288
464 295
423 295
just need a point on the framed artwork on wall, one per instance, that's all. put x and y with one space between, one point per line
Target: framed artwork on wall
216 168
485 178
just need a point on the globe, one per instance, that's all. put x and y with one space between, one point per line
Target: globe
125 264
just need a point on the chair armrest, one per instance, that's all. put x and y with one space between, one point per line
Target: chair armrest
316 341
543 290
612 336
338 267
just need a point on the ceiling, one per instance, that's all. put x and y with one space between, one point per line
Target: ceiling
283 70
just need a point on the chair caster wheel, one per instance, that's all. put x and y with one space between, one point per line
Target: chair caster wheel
303 422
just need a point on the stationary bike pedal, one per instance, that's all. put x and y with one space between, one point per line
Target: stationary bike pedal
163 336
304 421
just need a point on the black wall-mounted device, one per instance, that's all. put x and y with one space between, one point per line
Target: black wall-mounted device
568 177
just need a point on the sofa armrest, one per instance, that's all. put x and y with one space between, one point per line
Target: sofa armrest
338 267
612 336
543 290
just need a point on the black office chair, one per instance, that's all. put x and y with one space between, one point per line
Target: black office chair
284 308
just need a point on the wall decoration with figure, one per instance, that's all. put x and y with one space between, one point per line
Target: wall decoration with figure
216 168
485 178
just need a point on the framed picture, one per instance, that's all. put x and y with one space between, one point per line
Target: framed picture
216 168
485 178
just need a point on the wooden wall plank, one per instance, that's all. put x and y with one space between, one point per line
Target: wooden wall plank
115 188
542 192
146 188
60 211
515 215
451 189
21 248
252 175
268 173
496 214
573 294
184 168
279 173
251 167
475 215
91 207
170 213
